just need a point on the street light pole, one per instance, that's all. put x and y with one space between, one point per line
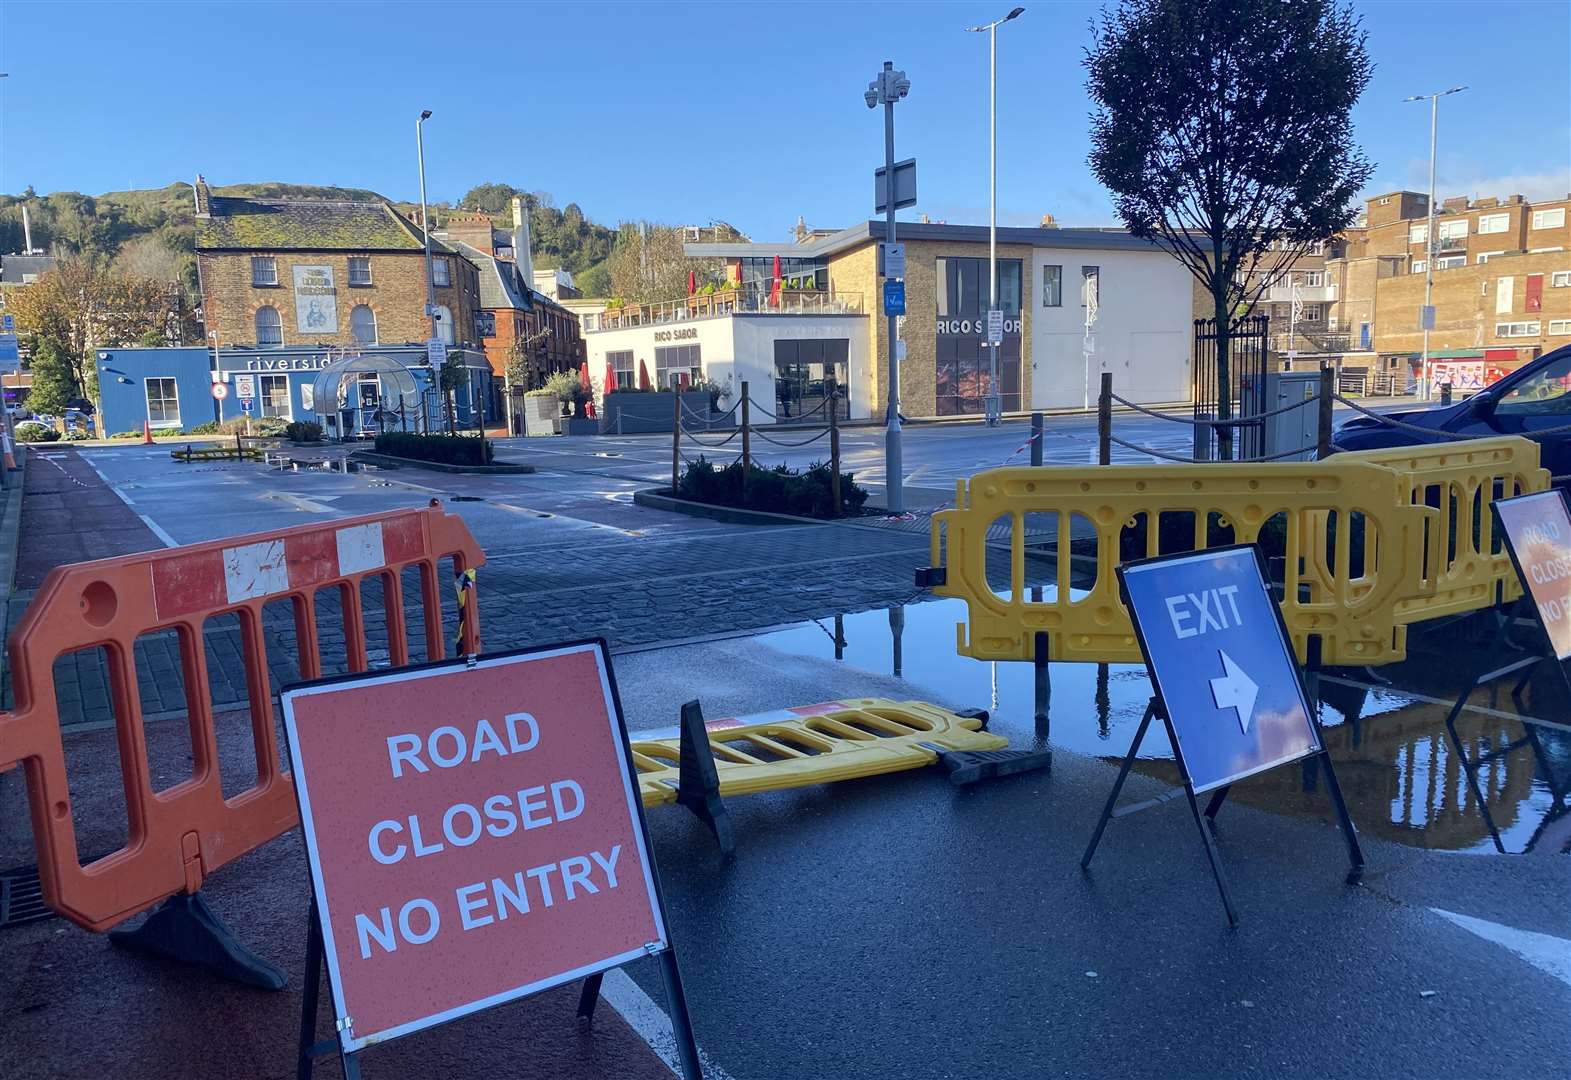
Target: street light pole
1425 317
994 401
889 87
425 227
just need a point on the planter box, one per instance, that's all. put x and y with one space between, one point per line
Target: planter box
638 414
542 415
573 425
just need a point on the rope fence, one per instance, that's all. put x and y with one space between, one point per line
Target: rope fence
746 431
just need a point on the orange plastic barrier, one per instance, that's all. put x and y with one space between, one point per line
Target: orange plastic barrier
180 835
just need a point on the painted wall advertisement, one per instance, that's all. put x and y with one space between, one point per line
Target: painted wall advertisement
316 300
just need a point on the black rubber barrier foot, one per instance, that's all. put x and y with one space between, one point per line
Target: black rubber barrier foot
184 928
970 766
978 714
698 781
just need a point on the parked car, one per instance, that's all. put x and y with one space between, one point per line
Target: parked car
1533 401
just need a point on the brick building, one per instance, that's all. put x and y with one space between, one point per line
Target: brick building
511 318
1502 286
324 273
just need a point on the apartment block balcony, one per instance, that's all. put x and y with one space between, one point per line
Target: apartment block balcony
1312 342
729 302
1309 294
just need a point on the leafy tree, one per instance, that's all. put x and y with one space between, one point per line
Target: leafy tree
489 198
648 265
77 307
53 382
595 281
1222 129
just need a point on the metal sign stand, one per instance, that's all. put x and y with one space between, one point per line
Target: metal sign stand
671 977
1205 820
1523 667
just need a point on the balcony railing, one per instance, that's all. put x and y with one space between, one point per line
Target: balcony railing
1310 342
713 305
1309 294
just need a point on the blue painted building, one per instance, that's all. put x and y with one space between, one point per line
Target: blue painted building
172 388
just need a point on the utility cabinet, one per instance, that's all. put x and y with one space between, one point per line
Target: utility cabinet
1296 429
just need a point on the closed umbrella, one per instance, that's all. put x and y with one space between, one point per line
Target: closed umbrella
610 377
692 283
589 389
643 375
774 292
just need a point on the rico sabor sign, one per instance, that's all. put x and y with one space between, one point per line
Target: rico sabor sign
474 835
978 327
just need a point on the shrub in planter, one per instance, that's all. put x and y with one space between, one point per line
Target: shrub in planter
779 490
304 431
32 431
208 428
129 434
444 449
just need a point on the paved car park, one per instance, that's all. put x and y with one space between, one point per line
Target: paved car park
896 924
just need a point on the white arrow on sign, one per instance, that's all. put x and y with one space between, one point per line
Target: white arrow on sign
1235 690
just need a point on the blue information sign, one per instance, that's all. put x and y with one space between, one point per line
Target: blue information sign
894 298
1222 665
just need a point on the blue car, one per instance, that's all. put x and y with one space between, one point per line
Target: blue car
1534 401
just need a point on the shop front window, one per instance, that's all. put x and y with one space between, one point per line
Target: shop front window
963 358
674 362
802 372
275 396
622 366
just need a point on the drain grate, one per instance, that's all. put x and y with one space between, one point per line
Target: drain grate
21 897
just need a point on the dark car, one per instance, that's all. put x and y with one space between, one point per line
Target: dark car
1534 401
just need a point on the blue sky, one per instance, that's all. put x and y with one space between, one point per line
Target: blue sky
750 113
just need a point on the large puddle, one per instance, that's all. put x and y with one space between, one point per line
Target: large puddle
1397 767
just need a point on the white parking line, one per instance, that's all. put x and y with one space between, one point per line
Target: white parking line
1546 952
651 1023
157 530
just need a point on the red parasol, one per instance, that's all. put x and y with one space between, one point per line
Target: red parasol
774 292
682 378
692 283
643 375
610 377
589 388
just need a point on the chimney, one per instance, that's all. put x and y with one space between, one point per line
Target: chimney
1048 222
203 199
27 232
1455 204
521 256
801 229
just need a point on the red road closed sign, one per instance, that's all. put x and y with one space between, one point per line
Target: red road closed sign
474 835
1538 529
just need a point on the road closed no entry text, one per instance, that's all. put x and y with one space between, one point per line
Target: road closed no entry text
496 817
477 826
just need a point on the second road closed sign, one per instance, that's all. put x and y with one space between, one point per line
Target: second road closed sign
474 835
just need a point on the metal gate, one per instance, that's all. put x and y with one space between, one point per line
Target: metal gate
1247 354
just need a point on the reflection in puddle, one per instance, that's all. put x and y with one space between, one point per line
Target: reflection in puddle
1402 780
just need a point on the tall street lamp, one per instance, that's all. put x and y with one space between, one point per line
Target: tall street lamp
1427 316
994 403
888 87
425 228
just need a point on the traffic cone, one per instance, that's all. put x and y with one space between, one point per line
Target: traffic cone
147 433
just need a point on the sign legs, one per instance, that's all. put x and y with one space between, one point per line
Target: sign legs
310 1049
1118 785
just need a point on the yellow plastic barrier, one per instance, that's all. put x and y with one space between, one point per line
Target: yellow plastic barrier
840 740
1352 614
1466 566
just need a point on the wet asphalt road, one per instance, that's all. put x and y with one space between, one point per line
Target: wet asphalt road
897 926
